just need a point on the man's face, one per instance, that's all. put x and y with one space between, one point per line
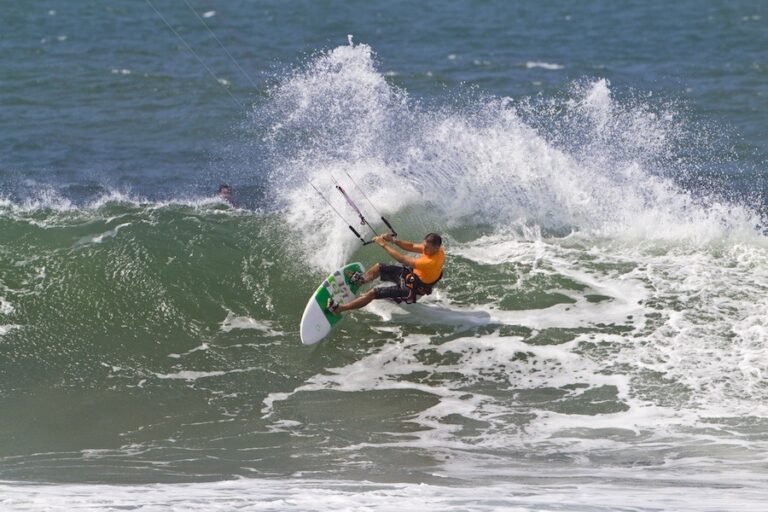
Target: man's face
430 249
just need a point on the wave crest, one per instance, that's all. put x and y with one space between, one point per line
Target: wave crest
583 162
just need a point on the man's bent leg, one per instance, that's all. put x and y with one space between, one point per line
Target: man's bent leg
371 274
357 303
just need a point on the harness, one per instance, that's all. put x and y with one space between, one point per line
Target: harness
416 286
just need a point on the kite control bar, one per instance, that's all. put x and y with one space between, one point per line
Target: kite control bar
385 221
351 203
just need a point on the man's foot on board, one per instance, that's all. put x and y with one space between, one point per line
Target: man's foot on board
357 279
332 307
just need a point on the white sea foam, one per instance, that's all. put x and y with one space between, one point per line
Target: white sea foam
6 308
479 164
234 322
193 375
543 65
344 80
97 239
621 488
200 348
691 351
189 375
5 329
63 212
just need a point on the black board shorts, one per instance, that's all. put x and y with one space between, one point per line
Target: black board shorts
394 274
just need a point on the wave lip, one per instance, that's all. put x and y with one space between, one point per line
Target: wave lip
583 161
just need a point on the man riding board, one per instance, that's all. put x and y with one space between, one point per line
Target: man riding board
414 277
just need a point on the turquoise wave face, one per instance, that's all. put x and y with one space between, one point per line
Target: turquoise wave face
159 343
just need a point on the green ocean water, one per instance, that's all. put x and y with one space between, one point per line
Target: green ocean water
140 356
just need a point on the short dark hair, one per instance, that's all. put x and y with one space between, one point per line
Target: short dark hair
433 239
224 186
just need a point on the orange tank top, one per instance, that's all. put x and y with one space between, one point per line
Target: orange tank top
428 268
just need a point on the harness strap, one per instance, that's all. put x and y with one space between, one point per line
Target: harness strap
417 287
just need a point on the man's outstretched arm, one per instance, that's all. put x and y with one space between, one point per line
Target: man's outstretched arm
406 246
397 256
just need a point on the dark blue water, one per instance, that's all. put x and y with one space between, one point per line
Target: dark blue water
102 95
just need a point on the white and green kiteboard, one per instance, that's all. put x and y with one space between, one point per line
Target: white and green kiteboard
317 322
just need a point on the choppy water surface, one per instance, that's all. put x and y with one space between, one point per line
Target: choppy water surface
598 341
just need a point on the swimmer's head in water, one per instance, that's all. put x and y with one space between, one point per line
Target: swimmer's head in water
225 190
